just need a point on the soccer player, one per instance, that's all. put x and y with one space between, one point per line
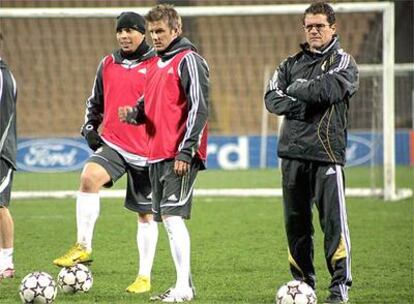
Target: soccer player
175 111
8 148
312 89
119 149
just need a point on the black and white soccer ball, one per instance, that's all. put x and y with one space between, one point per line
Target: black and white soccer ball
73 279
38 288
296 292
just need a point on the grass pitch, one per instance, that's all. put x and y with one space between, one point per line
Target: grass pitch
238 244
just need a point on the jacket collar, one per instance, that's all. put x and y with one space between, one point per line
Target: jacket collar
333 45
143 52
178 45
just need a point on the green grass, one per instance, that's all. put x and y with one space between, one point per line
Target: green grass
268 178
238 244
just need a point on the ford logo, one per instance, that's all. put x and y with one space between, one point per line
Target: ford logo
358 151
51 155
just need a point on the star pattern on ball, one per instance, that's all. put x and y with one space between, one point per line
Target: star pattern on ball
293 291
74 279
78 286
311 299
37 287
38 290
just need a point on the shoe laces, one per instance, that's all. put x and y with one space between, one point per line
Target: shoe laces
141 278
75 249
166 294
180 294
162 296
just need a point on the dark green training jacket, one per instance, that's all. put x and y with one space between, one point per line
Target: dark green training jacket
312 90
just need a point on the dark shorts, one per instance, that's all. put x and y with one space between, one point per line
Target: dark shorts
6 181
138 193
171 194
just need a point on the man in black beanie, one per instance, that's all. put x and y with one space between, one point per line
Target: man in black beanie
118 149
130 20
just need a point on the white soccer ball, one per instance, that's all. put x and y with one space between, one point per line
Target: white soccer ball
73 279
38 288
296 292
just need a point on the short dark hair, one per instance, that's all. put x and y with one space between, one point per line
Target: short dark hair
321 7
165 12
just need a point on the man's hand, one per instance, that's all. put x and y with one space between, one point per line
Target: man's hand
93 139
128 114
291 89
181 168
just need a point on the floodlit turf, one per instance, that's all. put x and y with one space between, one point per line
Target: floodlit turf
238 244
267 178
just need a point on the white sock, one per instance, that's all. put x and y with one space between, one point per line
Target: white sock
147 236
6 258
87 212
180 249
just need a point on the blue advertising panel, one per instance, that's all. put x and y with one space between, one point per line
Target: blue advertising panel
52 154
224 152
240 152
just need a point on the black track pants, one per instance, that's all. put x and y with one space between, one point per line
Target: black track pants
305 183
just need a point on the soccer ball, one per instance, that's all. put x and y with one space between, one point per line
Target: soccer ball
38 288
296 292
73 279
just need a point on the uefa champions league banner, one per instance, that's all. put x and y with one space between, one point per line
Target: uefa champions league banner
224 152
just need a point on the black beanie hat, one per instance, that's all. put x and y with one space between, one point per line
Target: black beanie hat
130 20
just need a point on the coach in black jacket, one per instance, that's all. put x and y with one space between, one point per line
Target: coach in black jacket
312 90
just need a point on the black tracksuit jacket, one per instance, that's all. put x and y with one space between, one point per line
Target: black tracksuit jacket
313 91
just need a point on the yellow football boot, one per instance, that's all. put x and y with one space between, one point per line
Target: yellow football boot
142 284
76 255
